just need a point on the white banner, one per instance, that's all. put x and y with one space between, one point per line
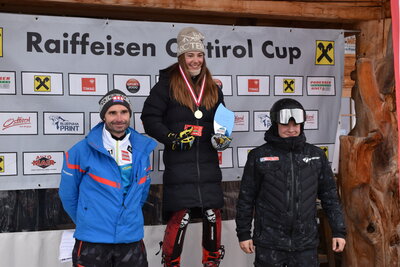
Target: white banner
55 69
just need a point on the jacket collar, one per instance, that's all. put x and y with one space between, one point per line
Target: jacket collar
288 144
139 142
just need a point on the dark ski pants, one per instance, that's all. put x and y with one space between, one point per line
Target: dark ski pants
86 254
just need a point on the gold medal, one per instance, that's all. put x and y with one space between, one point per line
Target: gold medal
197 100
198 114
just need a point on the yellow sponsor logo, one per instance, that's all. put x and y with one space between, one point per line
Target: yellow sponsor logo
1 163
288 86
42 83
1 42
326 150
325 53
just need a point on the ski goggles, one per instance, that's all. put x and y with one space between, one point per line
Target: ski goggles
284 115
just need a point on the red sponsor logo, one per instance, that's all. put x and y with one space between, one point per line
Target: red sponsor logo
253 85
125 155
23 122
239 120
88 84
321 85
117 98
43 161
310 117
132 85
220 157
269 159
197 130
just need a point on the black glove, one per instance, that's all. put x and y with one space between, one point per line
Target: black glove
183 140
220 142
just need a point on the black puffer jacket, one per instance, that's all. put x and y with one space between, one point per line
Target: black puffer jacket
191 178
282 180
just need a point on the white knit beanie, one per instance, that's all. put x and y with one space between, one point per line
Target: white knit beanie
190 40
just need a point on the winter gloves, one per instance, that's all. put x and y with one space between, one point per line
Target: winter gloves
183 140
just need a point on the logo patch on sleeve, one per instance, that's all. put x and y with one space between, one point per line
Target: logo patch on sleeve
269 159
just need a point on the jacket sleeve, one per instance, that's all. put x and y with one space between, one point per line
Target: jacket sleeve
327 193
71 176
153 111
246 201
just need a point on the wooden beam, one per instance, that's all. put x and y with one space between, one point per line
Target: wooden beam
324 11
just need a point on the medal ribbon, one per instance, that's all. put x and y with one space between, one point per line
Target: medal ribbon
197 101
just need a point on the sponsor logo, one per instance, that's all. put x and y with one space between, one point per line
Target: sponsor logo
218 83
311 120
325 53
81 44
2 169
307 159
253 85
239 120
37 163
42 83
43 161
117 98
19 121
114 98
5 82
310 117
269 159
220 157
64 125
197 130
132 85
88 84
322 85
288 86
264 120
125 155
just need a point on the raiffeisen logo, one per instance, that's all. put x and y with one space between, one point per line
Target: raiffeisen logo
81 43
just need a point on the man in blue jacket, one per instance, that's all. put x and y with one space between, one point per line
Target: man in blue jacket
104 184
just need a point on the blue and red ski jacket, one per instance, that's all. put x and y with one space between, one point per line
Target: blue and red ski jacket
92 194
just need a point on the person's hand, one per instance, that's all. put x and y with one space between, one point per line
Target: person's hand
247 246
338 244
182 140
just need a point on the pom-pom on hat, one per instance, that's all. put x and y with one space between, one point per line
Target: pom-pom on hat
190 40
114 97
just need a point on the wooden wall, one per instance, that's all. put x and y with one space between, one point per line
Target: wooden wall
281 13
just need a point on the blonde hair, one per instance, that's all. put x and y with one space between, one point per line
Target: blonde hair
180 92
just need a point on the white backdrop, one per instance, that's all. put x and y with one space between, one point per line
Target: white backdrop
53 71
